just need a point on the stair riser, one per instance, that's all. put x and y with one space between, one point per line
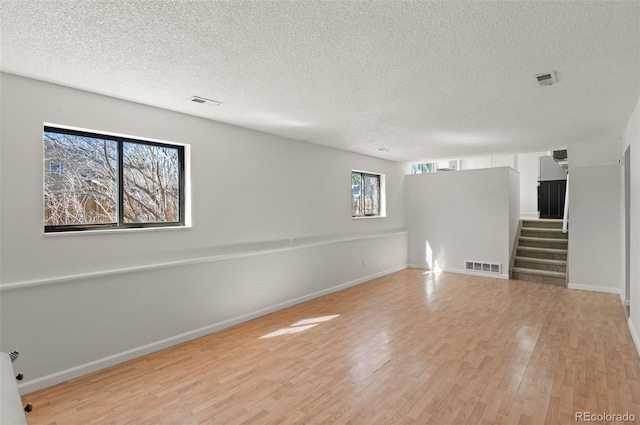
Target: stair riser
544 244
536 233
540 279
545 255
545 224
541 266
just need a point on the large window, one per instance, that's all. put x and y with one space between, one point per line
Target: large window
95 181
365 194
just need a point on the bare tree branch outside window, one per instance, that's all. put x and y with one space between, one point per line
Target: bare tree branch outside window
365 194
82 181
151 183
81 187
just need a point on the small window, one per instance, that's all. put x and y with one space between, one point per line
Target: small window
365 194
95 181
423 168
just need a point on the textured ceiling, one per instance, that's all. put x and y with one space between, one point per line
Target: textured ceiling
427 80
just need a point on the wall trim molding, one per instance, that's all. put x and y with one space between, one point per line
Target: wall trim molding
93 366
626 303
594 288
290 246
634 335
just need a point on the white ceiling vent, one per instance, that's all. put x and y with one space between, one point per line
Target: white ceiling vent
198 99
547 78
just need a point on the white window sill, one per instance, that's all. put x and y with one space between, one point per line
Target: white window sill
368 217
129 230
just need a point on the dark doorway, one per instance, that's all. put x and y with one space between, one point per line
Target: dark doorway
551 198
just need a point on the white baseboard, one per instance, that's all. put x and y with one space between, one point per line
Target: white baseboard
504 276
634 335
83 369
594 288
461 271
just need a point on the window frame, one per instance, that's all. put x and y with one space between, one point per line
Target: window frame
120 224
381 194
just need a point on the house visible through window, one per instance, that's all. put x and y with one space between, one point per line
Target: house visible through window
55 168
365 194
94 181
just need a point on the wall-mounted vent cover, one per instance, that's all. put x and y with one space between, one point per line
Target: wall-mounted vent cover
198 99
560 155
478 266
547 78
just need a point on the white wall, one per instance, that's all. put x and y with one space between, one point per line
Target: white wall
529 167
595 216
488 162
469 164
463 216
74 303
631 138
504 161
550 170
593 154
594 227
484 162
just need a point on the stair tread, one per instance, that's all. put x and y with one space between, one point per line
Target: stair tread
542 229
539 272
541 260
542 224
538 249
534 239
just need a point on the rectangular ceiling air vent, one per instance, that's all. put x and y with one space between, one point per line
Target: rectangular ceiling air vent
198 99
547 78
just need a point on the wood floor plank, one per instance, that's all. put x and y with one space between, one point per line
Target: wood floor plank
413 347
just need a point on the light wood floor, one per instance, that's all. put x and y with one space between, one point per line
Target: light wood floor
408 348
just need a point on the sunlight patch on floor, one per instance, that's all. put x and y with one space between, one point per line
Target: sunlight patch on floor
300 326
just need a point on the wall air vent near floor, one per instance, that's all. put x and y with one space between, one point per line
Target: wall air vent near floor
478 266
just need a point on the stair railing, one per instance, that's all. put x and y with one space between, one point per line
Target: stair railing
565 215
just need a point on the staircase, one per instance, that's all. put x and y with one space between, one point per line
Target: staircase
541 252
